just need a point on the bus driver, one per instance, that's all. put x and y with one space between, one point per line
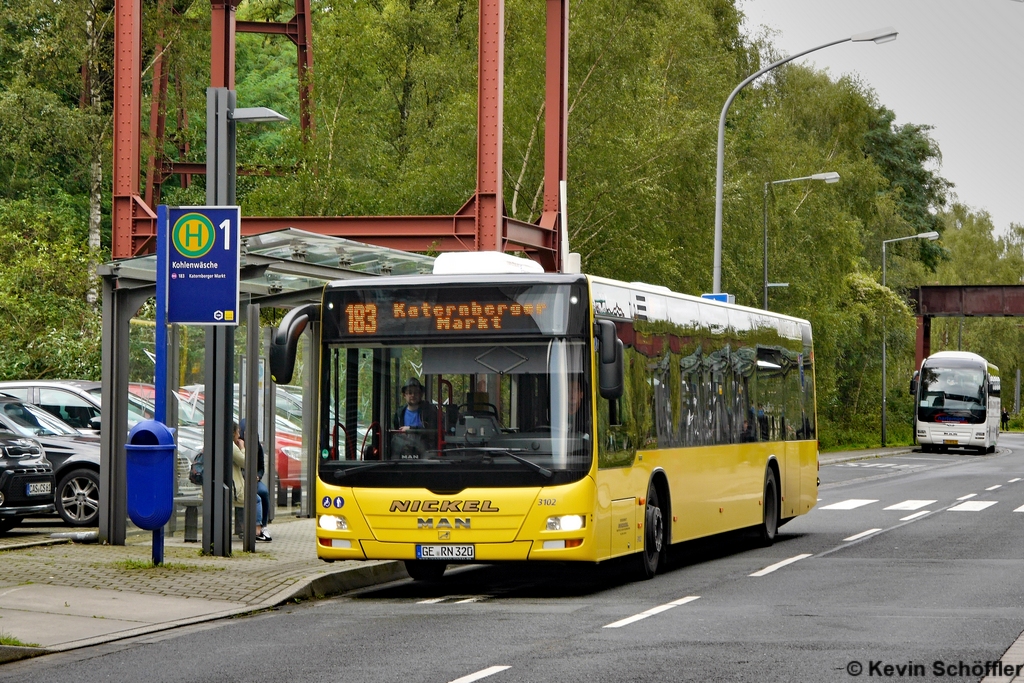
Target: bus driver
414 423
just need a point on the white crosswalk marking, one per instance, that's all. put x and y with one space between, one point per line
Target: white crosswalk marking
910 505
651 612
1013 480
779 565
849 504
973 506
484 673
993 488
861 534
1020 509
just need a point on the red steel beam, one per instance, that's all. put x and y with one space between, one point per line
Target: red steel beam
556 108
481 224
490 99
127 108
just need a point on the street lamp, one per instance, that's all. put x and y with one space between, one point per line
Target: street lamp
882 35
920 236
830 177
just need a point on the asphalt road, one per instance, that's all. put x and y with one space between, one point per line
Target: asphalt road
914 561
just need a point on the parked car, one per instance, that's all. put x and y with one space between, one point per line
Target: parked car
75 458
287 443
78 403
26 480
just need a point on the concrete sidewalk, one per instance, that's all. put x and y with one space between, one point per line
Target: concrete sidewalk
60 595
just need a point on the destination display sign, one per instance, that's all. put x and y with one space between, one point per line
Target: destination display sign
454 311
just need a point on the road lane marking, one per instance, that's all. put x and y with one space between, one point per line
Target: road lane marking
1013 480
651 612
430 601
779 565
849 504
861 534
993 488
910 505
922 513
475 598
969 495
1020 509
483 673
973 506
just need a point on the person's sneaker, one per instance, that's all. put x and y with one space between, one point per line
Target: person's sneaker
263 537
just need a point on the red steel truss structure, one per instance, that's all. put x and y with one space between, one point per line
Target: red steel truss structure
481 224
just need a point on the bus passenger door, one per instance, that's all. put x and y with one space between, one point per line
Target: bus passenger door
623 526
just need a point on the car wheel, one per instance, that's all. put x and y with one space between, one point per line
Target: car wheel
770 524
78 498
654 536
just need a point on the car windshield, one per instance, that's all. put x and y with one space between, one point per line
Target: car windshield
461 412
952 395
30 420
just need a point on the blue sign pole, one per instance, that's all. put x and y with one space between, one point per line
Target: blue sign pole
160 341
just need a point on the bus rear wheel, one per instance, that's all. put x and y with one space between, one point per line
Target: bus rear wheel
770 524
654 536
425 570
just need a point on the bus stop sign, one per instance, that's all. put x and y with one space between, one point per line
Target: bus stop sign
203 262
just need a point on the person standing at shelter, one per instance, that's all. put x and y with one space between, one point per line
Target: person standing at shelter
1005 419
238 480
261 488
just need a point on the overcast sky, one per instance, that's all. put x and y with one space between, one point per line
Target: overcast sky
958 65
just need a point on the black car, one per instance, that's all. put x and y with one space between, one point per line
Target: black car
26 480
75 458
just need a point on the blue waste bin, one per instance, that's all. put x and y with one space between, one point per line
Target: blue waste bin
150 471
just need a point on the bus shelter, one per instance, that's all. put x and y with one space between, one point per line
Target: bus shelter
279 270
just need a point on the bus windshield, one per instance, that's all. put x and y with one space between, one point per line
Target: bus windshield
952 395
451 416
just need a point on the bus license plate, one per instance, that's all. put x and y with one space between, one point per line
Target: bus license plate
445 552
38 489
952 442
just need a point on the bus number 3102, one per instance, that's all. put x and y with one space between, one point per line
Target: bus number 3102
362 318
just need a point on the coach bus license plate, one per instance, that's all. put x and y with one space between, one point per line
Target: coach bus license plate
445 552
953 442
37 489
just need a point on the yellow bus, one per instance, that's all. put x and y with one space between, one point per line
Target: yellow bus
561 417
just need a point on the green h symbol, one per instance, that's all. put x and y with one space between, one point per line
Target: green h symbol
194 231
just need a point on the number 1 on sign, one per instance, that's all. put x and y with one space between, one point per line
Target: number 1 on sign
225 225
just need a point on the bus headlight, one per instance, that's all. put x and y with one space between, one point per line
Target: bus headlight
292 452
566 523
333 523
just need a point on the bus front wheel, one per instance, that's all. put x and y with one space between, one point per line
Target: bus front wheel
770 524
425 570
654 535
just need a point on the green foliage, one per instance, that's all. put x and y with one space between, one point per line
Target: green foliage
395 107
46 327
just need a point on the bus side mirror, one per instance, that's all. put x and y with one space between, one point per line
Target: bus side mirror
610 372
913 382
286 341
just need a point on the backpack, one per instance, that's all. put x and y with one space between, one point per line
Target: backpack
195 472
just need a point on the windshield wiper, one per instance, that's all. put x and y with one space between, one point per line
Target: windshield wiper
504 451
340 473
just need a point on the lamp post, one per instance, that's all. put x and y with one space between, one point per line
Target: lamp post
829 177
920 236
882 35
